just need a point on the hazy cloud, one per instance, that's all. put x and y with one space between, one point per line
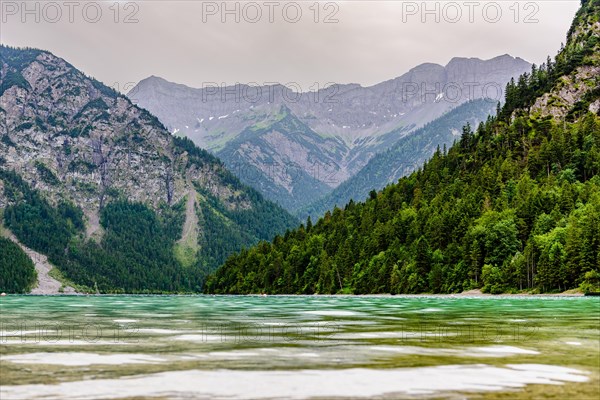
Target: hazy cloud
188 42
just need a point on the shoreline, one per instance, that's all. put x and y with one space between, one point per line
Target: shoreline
467 294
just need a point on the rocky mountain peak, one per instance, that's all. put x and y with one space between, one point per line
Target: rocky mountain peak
73 139
98 187
338 128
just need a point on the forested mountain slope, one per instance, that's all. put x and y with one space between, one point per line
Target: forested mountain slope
513 205
17 270
406 156
103 189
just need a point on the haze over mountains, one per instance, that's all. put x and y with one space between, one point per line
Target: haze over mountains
297 147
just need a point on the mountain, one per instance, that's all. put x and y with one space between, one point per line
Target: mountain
285 160
106 192
406 156
513 206
296 146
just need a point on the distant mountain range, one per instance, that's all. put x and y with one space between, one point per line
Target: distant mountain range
297 147
407 155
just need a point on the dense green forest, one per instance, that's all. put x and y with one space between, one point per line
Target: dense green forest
224 230
513 205
134 255
17 272
136 252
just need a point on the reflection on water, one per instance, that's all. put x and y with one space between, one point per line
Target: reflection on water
246 347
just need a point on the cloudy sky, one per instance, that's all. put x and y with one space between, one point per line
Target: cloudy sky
309 43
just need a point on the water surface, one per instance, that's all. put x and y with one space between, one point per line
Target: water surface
298 347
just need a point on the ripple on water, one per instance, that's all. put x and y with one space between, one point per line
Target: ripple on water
232 354
487 351
150 315
304 384
159 331
334 313
81 359
387 335
200 338
16 333
503 350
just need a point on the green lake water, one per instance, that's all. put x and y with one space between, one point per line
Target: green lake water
299 347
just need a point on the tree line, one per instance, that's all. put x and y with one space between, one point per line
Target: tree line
513 205
17 272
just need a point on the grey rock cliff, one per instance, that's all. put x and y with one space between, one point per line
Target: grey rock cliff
70 137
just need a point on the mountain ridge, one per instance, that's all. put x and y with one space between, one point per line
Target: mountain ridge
402 158
74 154
358 121
157 78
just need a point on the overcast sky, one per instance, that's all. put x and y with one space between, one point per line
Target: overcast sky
366 42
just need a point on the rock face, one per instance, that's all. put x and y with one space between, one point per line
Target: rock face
295 147
575 87
91 142
72 138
